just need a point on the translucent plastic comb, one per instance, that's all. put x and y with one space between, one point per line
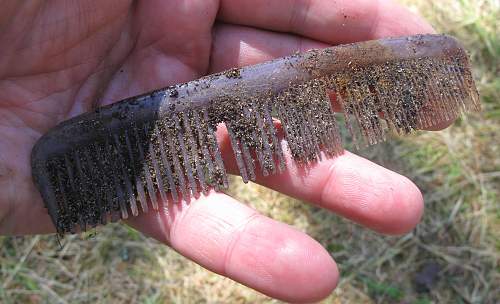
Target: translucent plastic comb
139 153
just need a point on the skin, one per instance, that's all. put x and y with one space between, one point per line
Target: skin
61 58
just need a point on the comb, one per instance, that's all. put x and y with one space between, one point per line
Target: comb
140 153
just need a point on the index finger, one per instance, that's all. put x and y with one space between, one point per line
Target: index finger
331 22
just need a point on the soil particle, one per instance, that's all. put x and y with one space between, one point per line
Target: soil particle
232 73
173 93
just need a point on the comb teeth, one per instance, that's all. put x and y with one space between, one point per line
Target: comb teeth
166 165
140 153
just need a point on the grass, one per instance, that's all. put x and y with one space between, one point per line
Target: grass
451 257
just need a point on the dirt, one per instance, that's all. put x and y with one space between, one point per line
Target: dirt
232 73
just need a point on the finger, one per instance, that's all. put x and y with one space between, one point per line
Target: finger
357 189
234 240
328 21
348 185
239 46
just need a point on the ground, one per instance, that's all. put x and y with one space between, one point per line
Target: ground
453 256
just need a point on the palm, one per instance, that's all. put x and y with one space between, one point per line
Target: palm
103 58
59 59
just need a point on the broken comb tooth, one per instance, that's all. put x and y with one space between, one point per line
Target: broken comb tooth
136 155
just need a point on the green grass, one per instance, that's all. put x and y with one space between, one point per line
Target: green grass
458 170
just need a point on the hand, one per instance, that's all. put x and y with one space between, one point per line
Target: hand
59 59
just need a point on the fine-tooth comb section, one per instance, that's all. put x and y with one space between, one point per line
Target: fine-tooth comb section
147 151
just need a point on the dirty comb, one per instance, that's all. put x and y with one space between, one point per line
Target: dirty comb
138 154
